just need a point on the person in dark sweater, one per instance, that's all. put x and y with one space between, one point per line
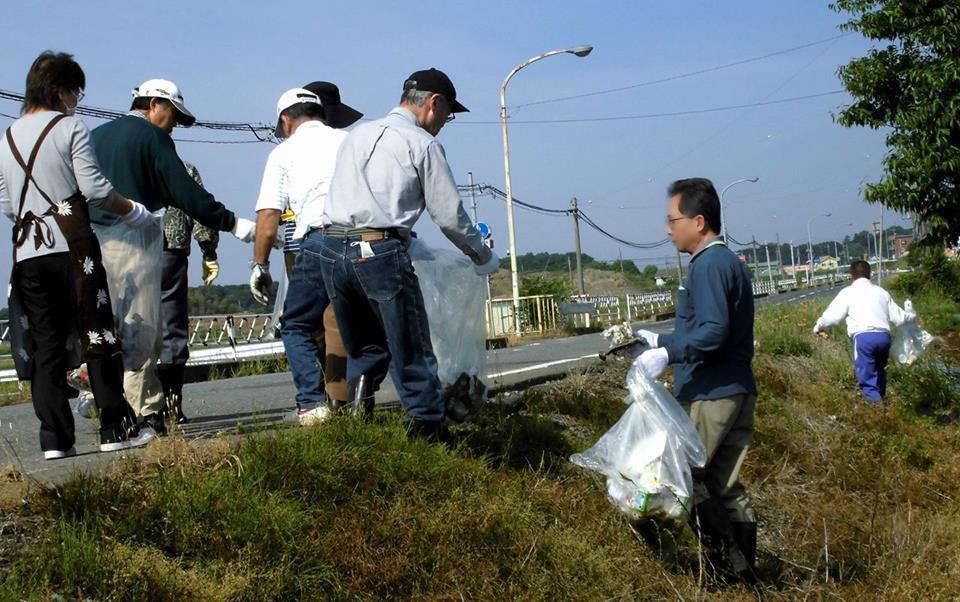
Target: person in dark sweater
138 155
711 348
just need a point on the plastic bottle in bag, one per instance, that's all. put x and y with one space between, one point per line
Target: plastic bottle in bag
647 455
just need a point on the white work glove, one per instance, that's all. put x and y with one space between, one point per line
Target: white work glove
260 282
649 336
909 313
654 362
140 217
211 269
818 327
491 266
244 229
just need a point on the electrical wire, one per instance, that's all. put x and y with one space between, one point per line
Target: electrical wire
497 193
658 115
683 75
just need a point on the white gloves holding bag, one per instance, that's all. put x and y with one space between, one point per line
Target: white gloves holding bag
140 217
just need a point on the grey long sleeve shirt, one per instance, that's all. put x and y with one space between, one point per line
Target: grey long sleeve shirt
388 171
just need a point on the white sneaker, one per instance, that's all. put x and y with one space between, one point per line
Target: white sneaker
56 454
318 415
142 436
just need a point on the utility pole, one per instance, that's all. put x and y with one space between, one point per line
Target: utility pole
576 241
679 270
793 264
756 271
473 197
766 248
836 254
883 244
570 272
779 252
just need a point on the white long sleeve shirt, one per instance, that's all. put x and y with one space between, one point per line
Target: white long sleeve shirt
866 308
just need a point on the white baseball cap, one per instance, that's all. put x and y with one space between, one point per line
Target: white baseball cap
163 88
292 97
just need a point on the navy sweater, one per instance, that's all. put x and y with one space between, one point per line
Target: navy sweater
711 346
141 162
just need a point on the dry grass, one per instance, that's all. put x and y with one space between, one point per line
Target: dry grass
854 502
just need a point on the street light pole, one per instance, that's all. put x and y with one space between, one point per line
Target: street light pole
810 246
723 206
579 51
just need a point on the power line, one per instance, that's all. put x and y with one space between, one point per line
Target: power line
656 115
109 114
683 75
497 193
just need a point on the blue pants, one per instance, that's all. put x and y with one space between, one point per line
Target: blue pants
871 350
302 318
382 318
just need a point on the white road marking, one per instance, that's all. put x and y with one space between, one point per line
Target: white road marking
539 366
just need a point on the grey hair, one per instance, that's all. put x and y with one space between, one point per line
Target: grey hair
413 96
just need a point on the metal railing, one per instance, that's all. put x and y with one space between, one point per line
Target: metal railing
230 338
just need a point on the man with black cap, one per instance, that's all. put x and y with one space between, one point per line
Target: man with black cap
388 171
137 154
297 177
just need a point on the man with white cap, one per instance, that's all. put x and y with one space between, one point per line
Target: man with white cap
137 154
388 171
297 176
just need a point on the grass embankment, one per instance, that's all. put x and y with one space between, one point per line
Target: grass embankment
854 501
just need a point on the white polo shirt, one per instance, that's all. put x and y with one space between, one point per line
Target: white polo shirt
866 307
298 174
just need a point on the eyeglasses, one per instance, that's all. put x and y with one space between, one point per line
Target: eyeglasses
450 114
79 94
670 220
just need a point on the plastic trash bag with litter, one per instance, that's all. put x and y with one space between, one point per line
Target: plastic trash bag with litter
911 340
133 262
455 299
647 455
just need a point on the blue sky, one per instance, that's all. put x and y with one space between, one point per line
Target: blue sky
232 61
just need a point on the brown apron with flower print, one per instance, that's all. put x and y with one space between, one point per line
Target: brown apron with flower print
94 337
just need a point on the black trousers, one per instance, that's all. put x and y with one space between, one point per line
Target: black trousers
48 293
176 321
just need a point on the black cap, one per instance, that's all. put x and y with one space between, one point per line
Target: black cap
336 114
436 81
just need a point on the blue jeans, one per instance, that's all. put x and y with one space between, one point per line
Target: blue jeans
871 351
302 318
382 318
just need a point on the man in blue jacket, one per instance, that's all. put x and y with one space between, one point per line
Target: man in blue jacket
711 348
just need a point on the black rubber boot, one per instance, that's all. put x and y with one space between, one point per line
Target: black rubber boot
712 525
360 396
746 536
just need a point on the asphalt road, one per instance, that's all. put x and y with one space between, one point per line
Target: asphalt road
257 402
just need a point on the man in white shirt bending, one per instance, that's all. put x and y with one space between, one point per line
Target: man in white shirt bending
869 310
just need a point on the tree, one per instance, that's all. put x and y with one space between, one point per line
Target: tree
912 86
650 272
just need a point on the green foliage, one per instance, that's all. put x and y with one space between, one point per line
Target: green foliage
544 285
910 83
229 299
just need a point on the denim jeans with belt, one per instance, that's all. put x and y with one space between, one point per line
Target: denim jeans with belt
382 319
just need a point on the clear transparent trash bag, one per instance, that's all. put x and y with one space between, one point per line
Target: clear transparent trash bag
133 260
911 340
647 455
454 297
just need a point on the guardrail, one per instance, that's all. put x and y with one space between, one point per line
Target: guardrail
216 339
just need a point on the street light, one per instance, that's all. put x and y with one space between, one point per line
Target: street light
810 246
723 207
579 51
